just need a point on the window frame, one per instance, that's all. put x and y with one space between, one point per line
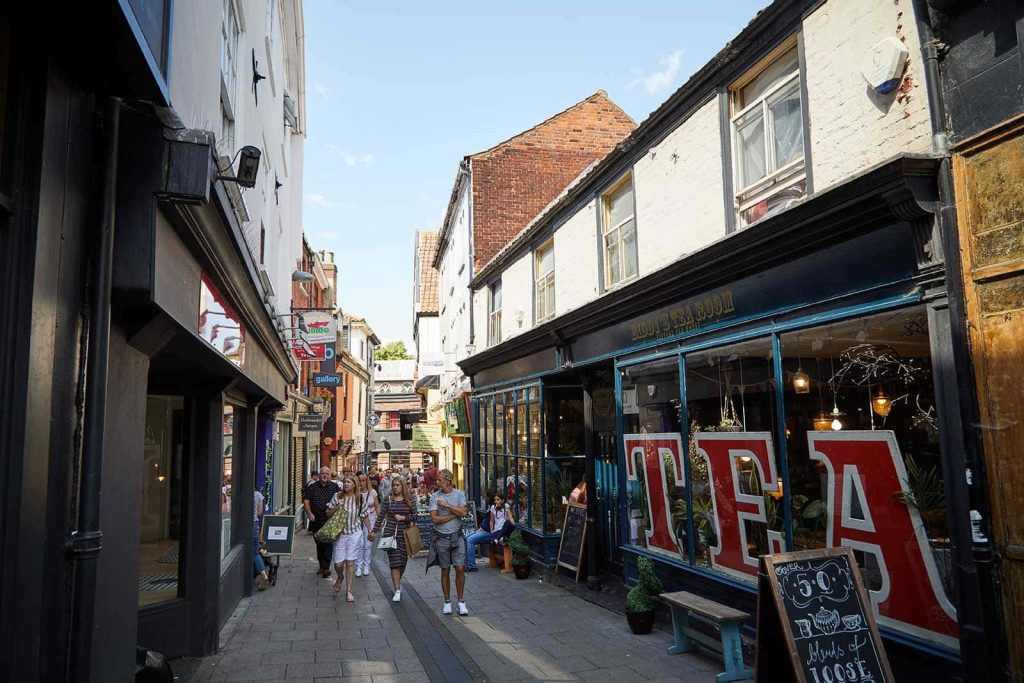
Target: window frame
608 229
544 282
494 314
776 179
229 57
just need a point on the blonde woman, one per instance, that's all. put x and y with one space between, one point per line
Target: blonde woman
373 508
346 548
396 516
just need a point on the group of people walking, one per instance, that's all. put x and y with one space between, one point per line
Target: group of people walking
368 515
384 513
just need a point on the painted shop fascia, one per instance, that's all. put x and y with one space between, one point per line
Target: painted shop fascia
863 250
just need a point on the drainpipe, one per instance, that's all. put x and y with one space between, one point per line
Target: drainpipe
981 631
85 542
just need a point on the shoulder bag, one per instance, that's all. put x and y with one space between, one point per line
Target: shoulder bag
331 529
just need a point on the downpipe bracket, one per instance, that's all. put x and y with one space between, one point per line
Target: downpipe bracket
84 544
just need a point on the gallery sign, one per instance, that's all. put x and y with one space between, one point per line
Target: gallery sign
326 379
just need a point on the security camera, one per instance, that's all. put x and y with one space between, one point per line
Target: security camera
248 167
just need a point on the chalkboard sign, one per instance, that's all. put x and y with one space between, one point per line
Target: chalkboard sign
574 537
426 528
278 533
814 621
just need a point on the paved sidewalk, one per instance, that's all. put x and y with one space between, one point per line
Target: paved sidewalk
517 631
296 631
531 630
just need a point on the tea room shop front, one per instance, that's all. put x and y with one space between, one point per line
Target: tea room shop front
789 387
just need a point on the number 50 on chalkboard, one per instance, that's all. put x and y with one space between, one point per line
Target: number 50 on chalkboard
814 621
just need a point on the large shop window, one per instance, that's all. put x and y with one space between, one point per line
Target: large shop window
835 443
161 527
511 459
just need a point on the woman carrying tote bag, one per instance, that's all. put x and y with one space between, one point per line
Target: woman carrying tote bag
349 502
396 515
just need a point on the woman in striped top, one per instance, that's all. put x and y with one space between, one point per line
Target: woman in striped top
346 548
396 515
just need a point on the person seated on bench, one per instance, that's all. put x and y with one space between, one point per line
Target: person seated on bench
495 528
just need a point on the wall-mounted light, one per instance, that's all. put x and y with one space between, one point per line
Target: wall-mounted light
823 422
302 276
652 390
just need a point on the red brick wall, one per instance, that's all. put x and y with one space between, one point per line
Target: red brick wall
515 180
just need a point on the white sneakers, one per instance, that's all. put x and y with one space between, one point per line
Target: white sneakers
447 609
398 596
359 571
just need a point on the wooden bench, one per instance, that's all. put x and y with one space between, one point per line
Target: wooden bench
727 619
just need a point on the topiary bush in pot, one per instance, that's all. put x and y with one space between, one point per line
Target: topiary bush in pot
520 554
639 608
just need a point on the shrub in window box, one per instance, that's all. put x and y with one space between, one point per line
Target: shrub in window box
639 609
520 555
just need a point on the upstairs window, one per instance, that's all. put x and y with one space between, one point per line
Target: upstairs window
230 30
544 276
620 260
768 138
494 315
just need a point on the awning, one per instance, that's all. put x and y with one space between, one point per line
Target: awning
398 405
429 382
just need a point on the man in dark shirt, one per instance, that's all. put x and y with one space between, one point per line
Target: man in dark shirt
315 499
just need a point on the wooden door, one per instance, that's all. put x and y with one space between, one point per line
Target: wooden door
989 176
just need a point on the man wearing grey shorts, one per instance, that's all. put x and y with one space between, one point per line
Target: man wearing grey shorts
447 508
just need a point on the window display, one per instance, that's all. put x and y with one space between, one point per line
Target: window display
864 463
733 460
160 529
652 424
848 457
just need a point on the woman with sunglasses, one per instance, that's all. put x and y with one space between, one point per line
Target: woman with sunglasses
396 515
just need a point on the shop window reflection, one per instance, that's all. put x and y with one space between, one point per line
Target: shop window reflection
737 506
160 530
227 478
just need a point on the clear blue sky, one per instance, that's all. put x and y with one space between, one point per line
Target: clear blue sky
398 92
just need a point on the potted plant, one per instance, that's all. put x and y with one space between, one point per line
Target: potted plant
639 610
927 493
520 555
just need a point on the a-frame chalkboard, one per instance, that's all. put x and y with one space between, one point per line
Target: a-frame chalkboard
814 621
574 537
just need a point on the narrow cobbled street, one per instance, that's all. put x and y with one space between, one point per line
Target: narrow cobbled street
517 631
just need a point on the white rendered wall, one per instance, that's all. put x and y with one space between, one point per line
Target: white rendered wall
576 260
516 297
195 96
852 128
679 201
454 296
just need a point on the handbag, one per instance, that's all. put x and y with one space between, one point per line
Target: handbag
331 529
413 541
388 542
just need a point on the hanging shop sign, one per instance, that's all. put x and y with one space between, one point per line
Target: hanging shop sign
306 352
310 422
426 436
457 416
317 327
326 379
815 622
863 478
